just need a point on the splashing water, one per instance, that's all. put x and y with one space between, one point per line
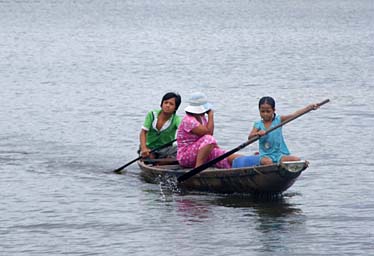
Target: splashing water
168 185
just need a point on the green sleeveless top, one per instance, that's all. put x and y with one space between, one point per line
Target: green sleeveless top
155 137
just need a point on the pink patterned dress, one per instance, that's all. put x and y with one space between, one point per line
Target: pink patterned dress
189 144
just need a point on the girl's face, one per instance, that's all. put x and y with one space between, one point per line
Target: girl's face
266 112
168 106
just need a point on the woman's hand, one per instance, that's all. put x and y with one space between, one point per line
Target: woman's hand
145 152
261 133
313 106
210 113
255 132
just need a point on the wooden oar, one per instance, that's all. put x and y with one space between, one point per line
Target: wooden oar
202 167
138 158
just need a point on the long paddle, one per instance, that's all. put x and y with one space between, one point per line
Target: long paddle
202 167
118 170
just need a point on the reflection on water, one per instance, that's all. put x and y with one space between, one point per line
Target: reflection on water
272 206
192 210
256 221
270 213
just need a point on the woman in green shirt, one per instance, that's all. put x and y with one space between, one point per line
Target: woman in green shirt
159 128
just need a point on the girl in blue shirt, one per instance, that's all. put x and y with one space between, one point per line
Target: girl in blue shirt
272 146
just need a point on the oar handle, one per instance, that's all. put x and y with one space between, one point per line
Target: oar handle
118 170
202 167
323 102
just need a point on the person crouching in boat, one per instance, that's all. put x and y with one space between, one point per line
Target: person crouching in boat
196 144
159 128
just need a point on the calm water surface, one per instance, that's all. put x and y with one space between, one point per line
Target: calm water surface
77 78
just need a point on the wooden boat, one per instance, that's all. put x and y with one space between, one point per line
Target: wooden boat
275 178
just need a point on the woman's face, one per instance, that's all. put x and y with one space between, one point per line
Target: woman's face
266 112
168 106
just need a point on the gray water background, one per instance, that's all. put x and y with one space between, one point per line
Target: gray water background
77 78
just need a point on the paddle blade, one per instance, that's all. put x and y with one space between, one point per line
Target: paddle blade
119 170
122 171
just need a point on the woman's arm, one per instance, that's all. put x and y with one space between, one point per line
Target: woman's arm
253 133
309 107
256 132
144 150
202 130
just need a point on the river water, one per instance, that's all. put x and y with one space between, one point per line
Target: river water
77 78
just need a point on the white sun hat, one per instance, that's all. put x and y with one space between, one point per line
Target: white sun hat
198 104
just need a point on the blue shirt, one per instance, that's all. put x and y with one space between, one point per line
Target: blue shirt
272 145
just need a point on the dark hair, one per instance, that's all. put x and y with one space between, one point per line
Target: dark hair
267 100
170 95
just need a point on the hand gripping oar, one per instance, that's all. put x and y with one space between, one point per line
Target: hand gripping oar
202 167
138 158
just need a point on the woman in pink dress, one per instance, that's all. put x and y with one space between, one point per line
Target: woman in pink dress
196 144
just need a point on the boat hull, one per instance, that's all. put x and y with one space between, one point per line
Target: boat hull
259 179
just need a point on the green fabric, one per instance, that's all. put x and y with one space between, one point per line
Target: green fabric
157 138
